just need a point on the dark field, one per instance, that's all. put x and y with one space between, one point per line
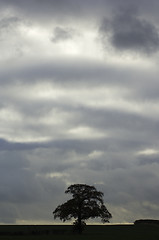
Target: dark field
64 232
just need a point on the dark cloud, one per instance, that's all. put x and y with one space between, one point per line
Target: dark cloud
12 146
38 10
69 72
128 31
135 188
9 213
59 71
22 188
67 10
18 185
149 159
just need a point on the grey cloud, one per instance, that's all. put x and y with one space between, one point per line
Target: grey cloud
149 159
68 10
118 121
61 34
12 146
9 22
13 160
71 157
8 27
130 32
125 130
64 145
60 168
106 163
9 213
34 10
21 188
58 70
63 10
132 185
18 183
70 71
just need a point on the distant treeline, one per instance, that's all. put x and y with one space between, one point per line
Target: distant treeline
147 221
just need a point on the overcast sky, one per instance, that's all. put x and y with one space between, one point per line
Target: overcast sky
79 103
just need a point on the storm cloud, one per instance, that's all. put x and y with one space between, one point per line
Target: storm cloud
127 31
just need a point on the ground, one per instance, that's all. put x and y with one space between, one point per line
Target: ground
64 232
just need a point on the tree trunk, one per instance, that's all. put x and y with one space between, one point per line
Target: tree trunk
79 220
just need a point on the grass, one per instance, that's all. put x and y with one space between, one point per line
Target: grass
64 232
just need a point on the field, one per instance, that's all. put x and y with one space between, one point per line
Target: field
64 232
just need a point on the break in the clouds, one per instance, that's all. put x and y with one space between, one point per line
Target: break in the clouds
128 31
72 111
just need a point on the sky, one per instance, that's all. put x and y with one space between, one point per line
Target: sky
79 94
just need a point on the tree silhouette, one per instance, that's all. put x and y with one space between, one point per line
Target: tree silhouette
86 203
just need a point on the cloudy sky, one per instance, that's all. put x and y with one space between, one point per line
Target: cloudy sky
79 95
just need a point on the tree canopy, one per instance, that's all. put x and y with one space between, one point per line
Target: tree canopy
86 203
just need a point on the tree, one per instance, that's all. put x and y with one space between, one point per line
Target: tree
86 203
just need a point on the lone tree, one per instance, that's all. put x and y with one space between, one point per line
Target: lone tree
86 203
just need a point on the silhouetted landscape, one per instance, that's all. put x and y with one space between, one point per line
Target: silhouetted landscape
86 202
93 232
